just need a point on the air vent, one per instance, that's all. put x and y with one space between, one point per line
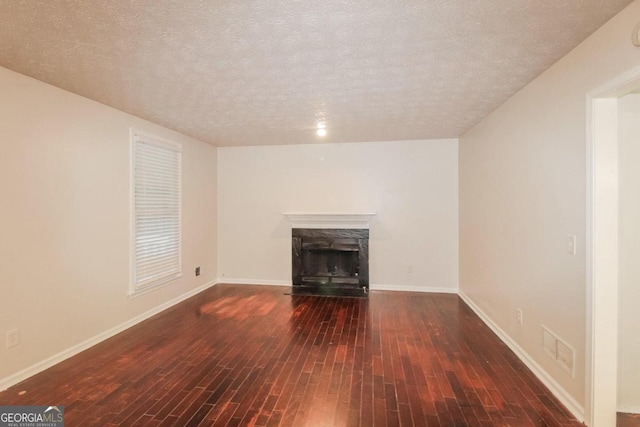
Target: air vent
559 350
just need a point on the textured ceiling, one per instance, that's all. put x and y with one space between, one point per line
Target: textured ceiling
264 71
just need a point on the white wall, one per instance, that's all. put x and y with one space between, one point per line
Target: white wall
629 255
64 239
523 190
412 186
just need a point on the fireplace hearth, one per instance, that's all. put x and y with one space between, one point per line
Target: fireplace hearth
329 261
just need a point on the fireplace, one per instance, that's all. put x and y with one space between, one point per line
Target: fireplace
330 253
330 261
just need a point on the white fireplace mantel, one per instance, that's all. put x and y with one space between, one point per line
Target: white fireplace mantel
329 220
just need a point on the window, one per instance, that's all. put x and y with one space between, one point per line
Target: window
157 175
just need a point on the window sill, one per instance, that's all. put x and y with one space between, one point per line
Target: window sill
135 293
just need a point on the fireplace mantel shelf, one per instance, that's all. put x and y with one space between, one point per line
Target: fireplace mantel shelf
359 220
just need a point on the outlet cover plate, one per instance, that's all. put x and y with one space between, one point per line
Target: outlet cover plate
13 338
571 244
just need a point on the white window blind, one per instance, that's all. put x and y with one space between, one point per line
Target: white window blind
157 174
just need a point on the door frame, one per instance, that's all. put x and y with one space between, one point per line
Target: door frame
601 342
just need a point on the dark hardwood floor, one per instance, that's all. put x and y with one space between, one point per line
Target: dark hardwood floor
250 355
628 420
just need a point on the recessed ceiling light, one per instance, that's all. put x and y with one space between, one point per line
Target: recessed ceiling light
322 128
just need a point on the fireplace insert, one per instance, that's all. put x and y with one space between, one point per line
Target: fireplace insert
330 261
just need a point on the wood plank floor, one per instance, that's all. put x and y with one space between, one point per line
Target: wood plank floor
628 420
250 355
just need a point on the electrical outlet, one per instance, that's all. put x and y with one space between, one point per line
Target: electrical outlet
519 316
410 269
197 271
13 338
636 36
571 244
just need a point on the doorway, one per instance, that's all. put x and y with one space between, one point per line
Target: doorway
603 256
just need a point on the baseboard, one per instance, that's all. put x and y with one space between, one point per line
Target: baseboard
567 400
373 287
265 282
629 409
404 288
22 375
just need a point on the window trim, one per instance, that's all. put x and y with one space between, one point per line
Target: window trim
135 136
